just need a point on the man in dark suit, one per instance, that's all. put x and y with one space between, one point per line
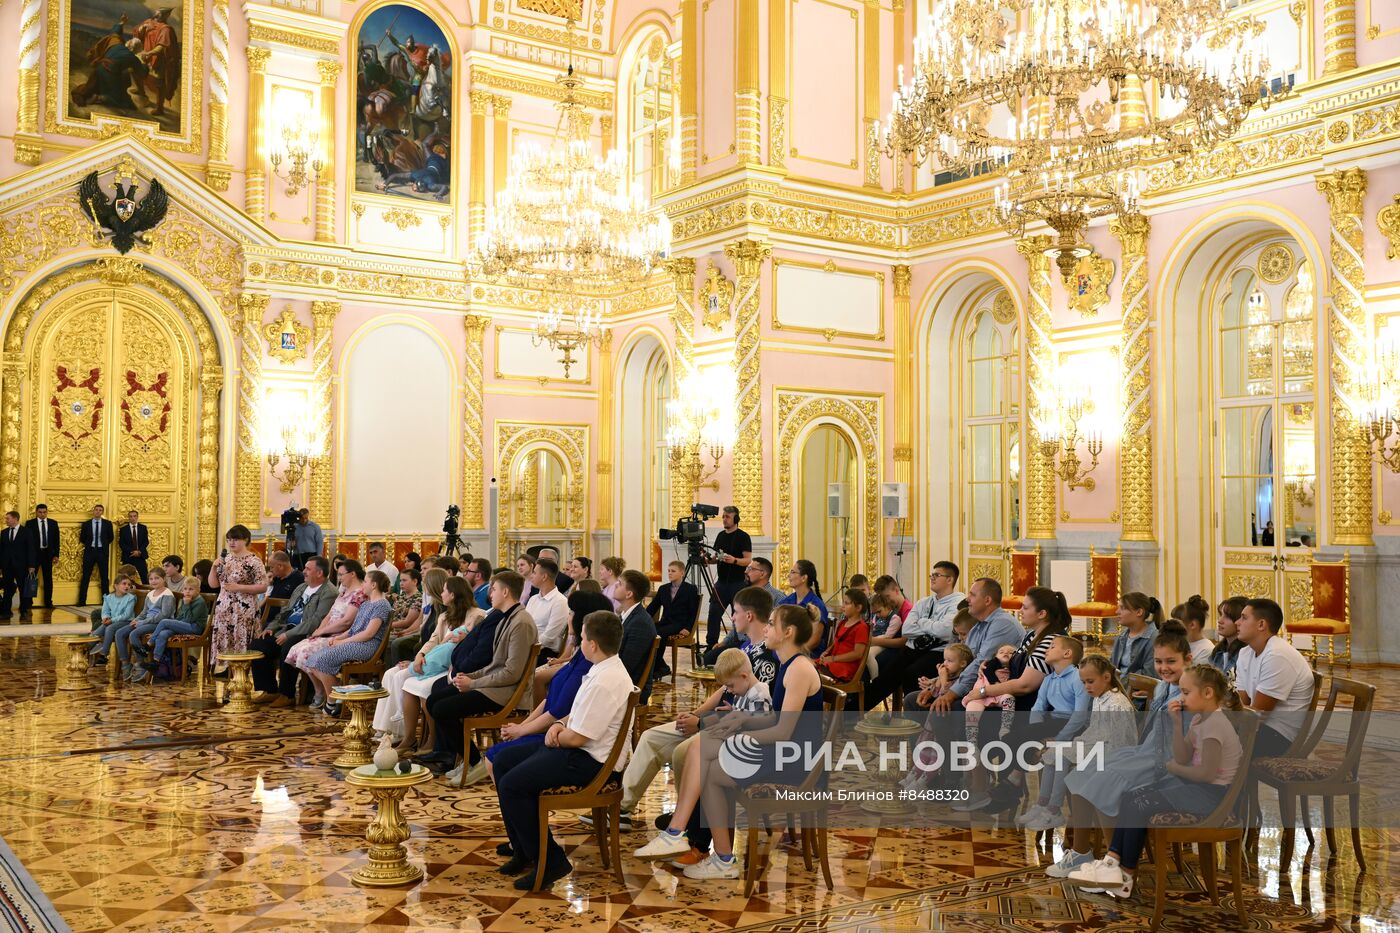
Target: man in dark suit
43 531
134 544
675 607
17 562
638 630
95 535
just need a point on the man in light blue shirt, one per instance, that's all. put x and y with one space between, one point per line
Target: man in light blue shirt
994 627
307 537
928 627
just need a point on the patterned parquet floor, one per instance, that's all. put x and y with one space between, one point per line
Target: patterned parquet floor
132 808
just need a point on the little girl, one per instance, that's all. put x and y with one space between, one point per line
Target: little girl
1112 724
1102 791
842 657
160 605
1192 614
885 624
1202 766
956 658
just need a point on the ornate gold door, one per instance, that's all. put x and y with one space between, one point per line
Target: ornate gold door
110 418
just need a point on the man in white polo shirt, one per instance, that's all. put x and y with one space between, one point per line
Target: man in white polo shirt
549 608
1273 678
574 749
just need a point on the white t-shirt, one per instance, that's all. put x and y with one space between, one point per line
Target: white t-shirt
387 568
1280 672
1200 651
598 708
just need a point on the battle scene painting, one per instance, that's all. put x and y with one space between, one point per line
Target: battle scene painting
403 105
127 59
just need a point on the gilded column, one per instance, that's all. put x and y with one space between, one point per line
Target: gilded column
10 430
247 494
901 28
1135 446
473 414
28 143
1338 36
255 173
530 494
500 156
325 182
606 418
747 103
690 77
872 92
1040 366
777 83
682 270
748 257
323 315
476 200
211 384
217 172
1350 451
903 382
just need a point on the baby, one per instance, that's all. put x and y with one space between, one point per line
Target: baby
995 671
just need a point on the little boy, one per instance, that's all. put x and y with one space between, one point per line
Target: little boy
1061 710
574 749
118 608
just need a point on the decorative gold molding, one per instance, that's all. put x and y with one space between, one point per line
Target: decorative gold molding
829 333
1089 290
1338 36
473 418
1351 468
746 459
1135 464
486 79
321 45
516 438
322 491
287 323
1388 220
1275 263
1040 364
717 298
247 496
402 217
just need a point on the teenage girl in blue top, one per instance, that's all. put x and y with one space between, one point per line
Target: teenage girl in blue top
807 592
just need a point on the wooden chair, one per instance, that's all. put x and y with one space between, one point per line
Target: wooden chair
1025 573
202 643
1299 775
1105 589
763 806
856 685
602 796
676 642
644 707
1223 824
372 667
474 727
1329 609
1142 685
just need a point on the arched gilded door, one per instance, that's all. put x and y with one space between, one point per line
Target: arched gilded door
110 417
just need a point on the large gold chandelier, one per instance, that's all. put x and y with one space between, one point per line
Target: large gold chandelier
1070 96
572 226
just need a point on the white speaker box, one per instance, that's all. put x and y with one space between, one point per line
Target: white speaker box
837 495
894 500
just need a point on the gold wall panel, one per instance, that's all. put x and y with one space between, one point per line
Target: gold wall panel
987 568
1250 583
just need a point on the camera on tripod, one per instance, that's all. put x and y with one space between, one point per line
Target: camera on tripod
691 530
450 540
289 519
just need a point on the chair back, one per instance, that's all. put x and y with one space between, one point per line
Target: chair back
1025 570
645 685
835 701
1105 576
1330 592
1299 748
1363 698
527 679
852 685
1141 683
1246 724
209 600
266 612
624 733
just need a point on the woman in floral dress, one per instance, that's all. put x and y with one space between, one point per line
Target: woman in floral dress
241 578
359 643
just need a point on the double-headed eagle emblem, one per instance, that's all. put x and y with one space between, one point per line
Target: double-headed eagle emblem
125 219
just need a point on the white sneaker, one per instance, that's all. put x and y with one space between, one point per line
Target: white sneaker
972 804
1032 813
1046 819
713 867
454 777
1068 863
476 773
664 845
1102 873
1123 891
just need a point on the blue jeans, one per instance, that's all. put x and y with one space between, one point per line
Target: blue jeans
113 632
1170 795
133 639
167 628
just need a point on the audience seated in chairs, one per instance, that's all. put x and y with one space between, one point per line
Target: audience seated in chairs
1273 678
359 643
191 618
406 647
674 608
585 597
572 752
473 689
1226 652
117 611
411 682
336 622
160 605
1139 617
307 608
927 628
850 639
549 607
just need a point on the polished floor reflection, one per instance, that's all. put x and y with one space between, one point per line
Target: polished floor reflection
133 809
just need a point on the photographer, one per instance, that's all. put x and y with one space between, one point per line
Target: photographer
305 537
733 549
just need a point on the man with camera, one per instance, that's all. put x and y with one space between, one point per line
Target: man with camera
307 539
733 550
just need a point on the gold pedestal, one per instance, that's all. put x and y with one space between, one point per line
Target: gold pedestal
388 859
705 675
357 731
71 672
874 728
240 681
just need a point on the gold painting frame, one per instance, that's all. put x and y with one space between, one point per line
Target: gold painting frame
58 55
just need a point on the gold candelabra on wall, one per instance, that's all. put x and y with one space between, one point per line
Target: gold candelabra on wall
1059 442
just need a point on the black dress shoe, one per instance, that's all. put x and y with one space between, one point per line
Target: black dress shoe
552 873
517 865
505 849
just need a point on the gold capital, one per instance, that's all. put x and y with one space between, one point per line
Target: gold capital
748 256
903 275
1344 189
257 58
1131 230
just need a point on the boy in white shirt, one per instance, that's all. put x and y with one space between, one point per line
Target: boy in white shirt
573 751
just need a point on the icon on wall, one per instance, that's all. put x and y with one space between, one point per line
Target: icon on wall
287 338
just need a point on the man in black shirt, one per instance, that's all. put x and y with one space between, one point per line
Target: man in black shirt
735 551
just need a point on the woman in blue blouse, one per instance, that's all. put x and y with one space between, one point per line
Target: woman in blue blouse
360 643
806 591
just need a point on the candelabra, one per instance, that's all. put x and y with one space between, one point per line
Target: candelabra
298 447
700 426
301 150
1059 442
1377 408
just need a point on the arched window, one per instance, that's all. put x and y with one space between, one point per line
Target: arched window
648 113
991 426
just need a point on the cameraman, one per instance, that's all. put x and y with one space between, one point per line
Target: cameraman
306 538
734 550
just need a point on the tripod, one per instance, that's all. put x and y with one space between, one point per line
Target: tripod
696 567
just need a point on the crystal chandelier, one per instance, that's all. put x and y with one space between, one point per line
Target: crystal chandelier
1057 92
573 227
